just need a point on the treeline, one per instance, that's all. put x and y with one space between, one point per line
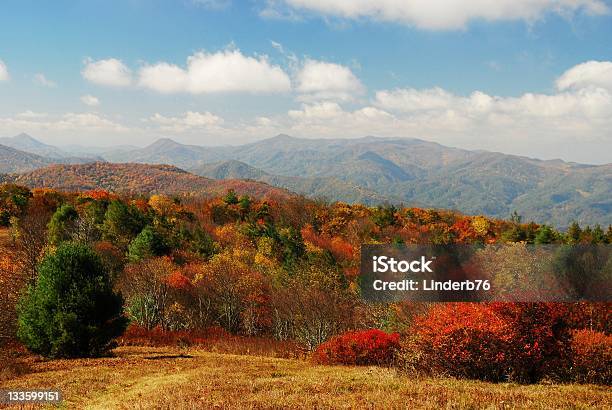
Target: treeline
286 269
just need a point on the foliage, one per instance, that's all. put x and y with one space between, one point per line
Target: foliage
62 224
122 222
591 357
366 347
289 269
202 244
147 244
521 342
147 292
13 202
238 295
72 310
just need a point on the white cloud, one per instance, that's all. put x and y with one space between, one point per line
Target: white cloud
110 72
544 110
90 100
264 121
411 99
329 119
437 14
223 71
79 123
189 121
320 80
4 75
589 74
40 79
32 114
543 125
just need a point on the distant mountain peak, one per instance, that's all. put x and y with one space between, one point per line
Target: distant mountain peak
164 145
26 138
284 137
164 142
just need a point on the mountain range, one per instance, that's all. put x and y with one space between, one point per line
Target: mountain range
23 153
374 170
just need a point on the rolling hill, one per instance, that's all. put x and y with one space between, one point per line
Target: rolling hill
137 178
374 170
328 188
13 160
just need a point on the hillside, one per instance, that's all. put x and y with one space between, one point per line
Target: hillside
13 160
329 188
136 178
26 143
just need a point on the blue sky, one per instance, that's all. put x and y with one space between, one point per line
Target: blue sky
530 77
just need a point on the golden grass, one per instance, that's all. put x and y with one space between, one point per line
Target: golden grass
5 237
163 378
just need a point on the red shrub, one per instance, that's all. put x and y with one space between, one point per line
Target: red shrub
541 339
591 357
367 347
590 315
498 341
463 340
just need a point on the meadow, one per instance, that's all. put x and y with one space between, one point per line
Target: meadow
188 378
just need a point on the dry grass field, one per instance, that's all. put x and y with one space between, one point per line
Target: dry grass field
4 237
173 378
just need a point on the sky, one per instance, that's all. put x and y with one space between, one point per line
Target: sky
526 77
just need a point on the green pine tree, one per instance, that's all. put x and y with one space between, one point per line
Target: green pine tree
72 310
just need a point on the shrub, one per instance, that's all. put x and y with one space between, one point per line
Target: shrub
72 310
366 347
523 342
462 340
541 340
591 357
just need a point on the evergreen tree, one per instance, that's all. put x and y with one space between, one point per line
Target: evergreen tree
122 223
230 198
574 233
203 244
72 310
62 224
545 234
148 243
598 234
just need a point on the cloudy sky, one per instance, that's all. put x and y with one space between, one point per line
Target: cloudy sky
529 77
